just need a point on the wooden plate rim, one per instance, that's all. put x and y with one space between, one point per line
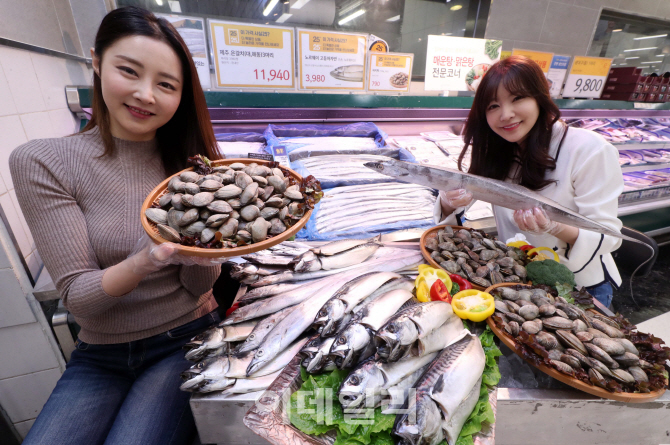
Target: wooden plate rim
575 383
150 229
426 254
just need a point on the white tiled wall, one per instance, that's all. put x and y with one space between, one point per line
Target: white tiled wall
32 106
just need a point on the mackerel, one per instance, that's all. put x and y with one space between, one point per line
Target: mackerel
243 386
238 365
268 259
261 330
209 369
335 247
310 262
268 291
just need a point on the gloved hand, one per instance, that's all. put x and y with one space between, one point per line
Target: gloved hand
455 198
148 257
537 221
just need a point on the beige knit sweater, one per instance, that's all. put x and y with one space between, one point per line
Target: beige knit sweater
84 213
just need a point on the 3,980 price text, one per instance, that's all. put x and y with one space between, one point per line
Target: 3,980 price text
315 77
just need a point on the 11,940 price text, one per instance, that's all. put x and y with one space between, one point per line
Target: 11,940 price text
272 75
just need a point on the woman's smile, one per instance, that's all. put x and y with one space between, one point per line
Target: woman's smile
139 113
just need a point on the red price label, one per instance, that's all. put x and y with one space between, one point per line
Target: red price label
376 83
271 75
315 77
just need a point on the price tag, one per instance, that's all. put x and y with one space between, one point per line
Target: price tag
587 77
331 61
192 30
541 58
458 63
556 74
390 72
264 156
281 156
252 56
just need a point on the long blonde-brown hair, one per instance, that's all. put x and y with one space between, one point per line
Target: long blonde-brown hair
190 131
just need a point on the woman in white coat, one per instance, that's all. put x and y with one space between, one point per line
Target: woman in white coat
515 134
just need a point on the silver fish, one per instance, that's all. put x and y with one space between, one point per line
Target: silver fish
268 291
215 337
268 259
450 332
243 386
238 365
447 383
407 326
336 247
397 394
209 370
504 194
373 376
311 262
318 354
348 297
261 330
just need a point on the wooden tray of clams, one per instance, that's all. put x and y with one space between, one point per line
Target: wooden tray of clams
472 254
583 349
248 204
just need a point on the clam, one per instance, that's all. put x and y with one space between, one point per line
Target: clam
557 323
506 262
166 199
529 312
277 226
547 340
513 307
496 277
234 203
520 271
176 202
194 229
244 235
601 355
482 271
560 313
278 172
579 356
204 214
237 166
293 192
216 220
202 199
190 216
563 367
250 213
539 300
645 364
597 379
228 229
547 310
207 234
279 184
509 294
572 361
218 206
479 281
176 185
512 328
173 218
450 266
168 233
627 359
487 255
431 244
249 194
512 279
531 327
260 180
570 340
228 191
628 345
599 366
554 354
597 334
610 346
189 176
522 303
191 188
502 246
622 376
210 185
584 336
235 214
259 229
216 178
266 192
269 212
242 180
228 178
607 329
605 320
434 255
187 200
525 294
579 326
274 201
501 306
448 246
638 374
158 216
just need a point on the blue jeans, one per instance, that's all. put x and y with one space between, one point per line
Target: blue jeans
126 393
602 292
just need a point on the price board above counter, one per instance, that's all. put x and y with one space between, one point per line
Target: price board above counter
250 56
541 58
390 72
587 77
458 63
331 61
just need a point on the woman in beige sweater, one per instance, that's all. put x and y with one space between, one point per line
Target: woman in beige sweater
137 303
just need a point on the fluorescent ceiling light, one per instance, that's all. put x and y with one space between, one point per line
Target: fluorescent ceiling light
299 4
639 49
393 19
623 64
650 37
282 18
660 55
617 30
655 61
349 7
350 17
159 2
628 58
268 9
456 7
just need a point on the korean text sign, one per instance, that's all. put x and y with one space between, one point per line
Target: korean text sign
458 63
390 72
252 56
587 77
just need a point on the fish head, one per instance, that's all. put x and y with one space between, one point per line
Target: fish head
216 366
262 356
306 262
191 382
388 168
353 390
332 312
423 422
315 363
311 347
398 332
217 384
351 340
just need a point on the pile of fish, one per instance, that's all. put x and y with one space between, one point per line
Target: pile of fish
357 207
334 170
584 345
304 147
246 351
476 256
235 204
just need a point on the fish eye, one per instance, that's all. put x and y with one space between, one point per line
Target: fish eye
392 329
322 313
251 336
259 352
355 380
341 340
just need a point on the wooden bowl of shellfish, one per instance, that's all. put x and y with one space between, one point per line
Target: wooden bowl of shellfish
510 342
151 228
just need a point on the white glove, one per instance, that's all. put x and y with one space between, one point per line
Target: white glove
455 198
148 257
537 221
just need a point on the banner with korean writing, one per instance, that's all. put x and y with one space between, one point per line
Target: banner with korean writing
390 72
252 56
458 63
587 77
556 74
541 58
192 30
331 61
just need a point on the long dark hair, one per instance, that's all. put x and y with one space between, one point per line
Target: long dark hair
493 156
189 132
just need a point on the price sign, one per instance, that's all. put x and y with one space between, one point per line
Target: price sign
280 155
458 63
556 74
331 61
252 56
192 30
541 58
390 72
587 77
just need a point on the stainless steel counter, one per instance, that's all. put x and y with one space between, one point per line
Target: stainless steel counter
552 417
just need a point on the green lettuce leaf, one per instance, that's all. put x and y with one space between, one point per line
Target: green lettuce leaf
564 291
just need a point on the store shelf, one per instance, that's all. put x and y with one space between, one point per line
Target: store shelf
642 146
643 167
645 206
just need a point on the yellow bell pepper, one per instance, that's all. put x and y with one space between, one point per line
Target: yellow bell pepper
427 276
517 243
540 256
473 305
